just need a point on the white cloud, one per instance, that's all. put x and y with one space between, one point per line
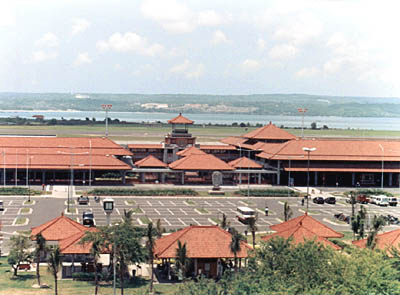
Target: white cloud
250 65
219 37
7 14
189 70
41 56
261 44
48 40
130 42
80 25
307 72
176 17
82 58
282 51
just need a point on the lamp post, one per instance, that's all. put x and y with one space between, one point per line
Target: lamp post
248 178
72 172
28 163
108 206
302 111
16 167
4 168
90 162
106 107
240 168
308 150
383 155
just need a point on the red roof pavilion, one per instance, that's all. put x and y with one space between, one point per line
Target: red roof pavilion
190 151
180 120
151 162
269 132
244 162
384 241
200 162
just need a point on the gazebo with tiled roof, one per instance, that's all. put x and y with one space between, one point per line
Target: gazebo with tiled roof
190 151
180 135
269 133
151 169
206 245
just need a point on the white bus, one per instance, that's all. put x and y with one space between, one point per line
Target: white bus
380 200
245 213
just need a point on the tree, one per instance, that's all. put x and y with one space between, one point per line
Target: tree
224 222
159 229
128 249
235 244
54 262
150 248
358 223
127 218
97 241
287 211
19 253
377 225
40 248
313 125
181 259
252 227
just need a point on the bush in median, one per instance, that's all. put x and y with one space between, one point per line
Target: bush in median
268 193
11 191
139 192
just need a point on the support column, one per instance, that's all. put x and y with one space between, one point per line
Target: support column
44 176
390 178
123 176
259 178
84 177
142 177
278 175
183 178
162 177
316 178
195 266
353 178
54 176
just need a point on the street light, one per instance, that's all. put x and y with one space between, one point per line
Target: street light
383 155
248 177
240 168
106 107
28 163
302 111
4 168
90 162
308 150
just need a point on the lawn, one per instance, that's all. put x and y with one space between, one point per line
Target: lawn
130 202
25 210
137 210
202 210
20 220
145 220
21 285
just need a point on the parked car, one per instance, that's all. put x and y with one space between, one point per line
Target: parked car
83 200
362 199
330 200
1 205
88 218
342 217
393 201
380 200
318 200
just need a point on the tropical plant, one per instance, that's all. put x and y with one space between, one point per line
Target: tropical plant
287 211
181 259
54 263
377 224
39 250
127 217
159 229
358 223
224 222
252 227
150 248
19 252
235 245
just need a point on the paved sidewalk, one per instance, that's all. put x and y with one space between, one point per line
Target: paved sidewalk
61 191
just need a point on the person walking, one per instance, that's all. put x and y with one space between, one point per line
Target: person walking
266 210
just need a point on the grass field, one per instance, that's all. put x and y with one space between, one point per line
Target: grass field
22 285
157 132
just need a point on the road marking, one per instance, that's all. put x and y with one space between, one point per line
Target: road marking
166 220
232 204
207 203
10 203
182 221
116 209
198 223
158 212
172 213
159 202
219 204
5 210
183 211
233 211
172 203
148 202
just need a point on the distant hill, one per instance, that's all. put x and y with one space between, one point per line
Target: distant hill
261 104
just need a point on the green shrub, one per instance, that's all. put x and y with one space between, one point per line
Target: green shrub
7 191
141 192
369 192
268 193
85 276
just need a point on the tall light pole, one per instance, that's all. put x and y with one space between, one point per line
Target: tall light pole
106 107
240 168
383 155
90 162
308 150
16 167
27 177
302 111
248 178
4 167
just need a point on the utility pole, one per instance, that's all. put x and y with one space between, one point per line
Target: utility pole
302 111
106 107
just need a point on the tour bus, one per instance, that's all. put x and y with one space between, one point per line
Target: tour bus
380 200
245 213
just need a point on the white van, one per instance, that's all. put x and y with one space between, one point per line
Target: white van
380 200
245 213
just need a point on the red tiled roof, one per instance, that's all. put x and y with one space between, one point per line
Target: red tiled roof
145 146
72 245
190 151
180 120
200 162
269 131
201 242
150 161
237 141
306 220
244 162
300 234
216 147
338 150
384 241
58 229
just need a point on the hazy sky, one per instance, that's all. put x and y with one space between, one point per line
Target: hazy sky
334 47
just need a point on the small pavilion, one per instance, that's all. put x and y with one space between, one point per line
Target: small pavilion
180 135
151 169
207 246
385 241
247 167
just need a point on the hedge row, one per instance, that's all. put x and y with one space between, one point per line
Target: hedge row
369 192
10 191
268 193
140 192
85 276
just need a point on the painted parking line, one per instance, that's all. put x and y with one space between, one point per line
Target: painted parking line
10 203
182 221
184 212
172 203
172 213
232 204
4 212
158 212
198 223
149 203
166 220
208 203
159 202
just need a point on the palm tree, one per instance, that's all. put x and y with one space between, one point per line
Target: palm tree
287 211
252 227
40 247
235 244
54 263
127 218
150 247
224 222
377 225
182 261
97 241
159 229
